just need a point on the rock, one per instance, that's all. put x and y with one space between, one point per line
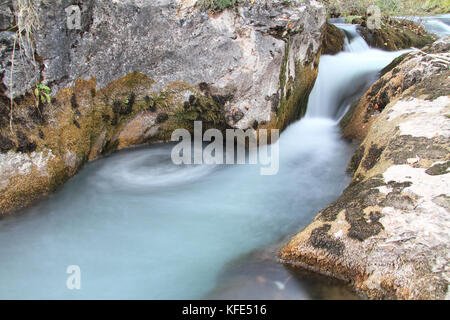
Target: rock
333 42
23 177
399 76
6 15
133 71
138 130
72 162
389 232
396 35
25 72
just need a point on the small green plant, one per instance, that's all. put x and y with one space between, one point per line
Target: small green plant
42 93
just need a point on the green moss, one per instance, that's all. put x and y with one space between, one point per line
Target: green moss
353 19
294 92
333 42
208 109
393 64
438 169
133 80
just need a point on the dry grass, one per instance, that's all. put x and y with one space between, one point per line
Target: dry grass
27 21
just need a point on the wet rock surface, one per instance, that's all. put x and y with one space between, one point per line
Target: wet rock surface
333 42
389 232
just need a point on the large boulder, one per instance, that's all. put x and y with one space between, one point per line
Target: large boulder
238 52
333 41
389 232
130 72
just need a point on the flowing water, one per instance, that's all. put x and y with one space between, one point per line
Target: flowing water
140 227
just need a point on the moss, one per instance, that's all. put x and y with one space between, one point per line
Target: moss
24 144
333 41
372 157
202 108
22 191
434 87
4 113
393 64
78 116
73 102
59 175
360 227
162 117
398 200
320 238
37 114
6 144
203 86
403 147
357 196
438 169
121 108
133 80
356 160
353 18
152 106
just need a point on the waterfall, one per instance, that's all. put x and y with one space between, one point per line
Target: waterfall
344 77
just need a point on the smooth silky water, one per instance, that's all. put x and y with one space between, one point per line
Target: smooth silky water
140 227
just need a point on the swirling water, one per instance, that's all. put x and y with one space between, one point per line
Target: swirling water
140 227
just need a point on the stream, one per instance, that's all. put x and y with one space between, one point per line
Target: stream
140 227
